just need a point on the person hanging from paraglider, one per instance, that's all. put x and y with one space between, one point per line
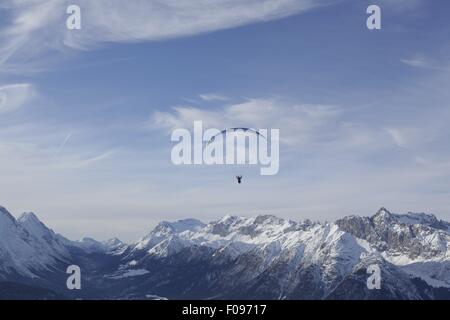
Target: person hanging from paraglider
226 133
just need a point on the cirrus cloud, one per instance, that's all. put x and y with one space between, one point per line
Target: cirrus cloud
41 24
315 126
14 96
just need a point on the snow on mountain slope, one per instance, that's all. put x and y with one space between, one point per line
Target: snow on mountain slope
419 243
271 241
333 250
166 229
262 256
396 284
245 234
242 233
29 249
44 236
429 220
27 246
89 245
114 246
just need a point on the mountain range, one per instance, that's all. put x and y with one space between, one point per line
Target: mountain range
262 257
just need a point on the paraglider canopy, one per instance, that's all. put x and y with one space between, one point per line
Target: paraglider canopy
230 130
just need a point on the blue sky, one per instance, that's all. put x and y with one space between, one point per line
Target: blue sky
86 115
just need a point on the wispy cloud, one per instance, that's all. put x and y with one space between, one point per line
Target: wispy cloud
14 96
412 137
89 161
402 5
212 97
315 126
397 136
416 62
422 61
37 27
63 144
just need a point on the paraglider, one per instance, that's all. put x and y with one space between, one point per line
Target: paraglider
235 147
247 153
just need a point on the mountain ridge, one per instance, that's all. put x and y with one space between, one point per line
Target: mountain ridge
262 257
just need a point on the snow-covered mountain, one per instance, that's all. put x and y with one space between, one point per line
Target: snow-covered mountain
27 247
34 257
238 257
416 242
89 245
269 257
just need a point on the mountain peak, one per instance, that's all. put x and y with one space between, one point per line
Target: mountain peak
5 213
228 218
28 217
180 225
382 216
89 245
113 244
113 241
166 228
424 219
422 216
268 218
32 224
383 212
